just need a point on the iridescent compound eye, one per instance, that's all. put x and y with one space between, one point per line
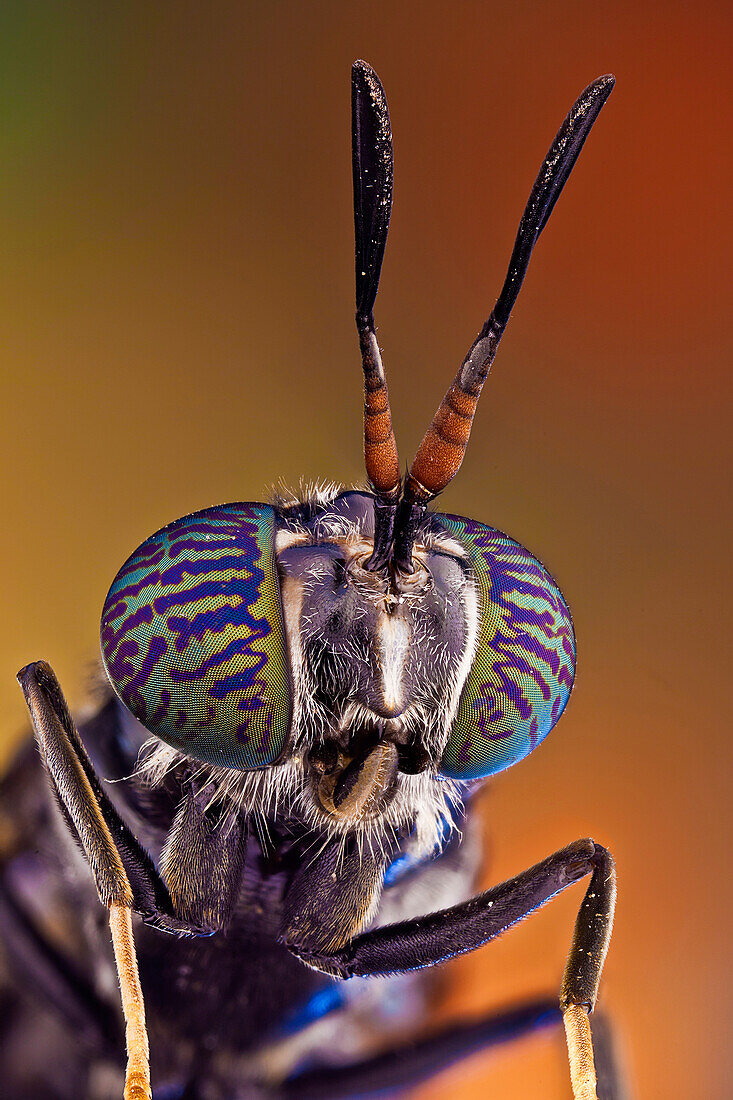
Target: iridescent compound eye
193 638
523 670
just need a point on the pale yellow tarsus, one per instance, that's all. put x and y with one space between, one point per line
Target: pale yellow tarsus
580 1052
137 1076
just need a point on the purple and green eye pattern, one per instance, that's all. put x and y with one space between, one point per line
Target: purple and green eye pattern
193 638
524 665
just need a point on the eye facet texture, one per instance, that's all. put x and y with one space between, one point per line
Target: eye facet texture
524 665
193 638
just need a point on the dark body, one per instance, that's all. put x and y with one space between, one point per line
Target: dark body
224 1011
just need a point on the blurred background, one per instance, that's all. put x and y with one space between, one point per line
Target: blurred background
176 316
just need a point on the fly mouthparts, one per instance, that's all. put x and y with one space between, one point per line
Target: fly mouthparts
357 790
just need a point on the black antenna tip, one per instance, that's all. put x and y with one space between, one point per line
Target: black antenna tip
364 78
360 66
372 162
597 91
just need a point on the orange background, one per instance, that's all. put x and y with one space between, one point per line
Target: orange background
176 323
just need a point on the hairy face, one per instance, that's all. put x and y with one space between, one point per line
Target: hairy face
379 658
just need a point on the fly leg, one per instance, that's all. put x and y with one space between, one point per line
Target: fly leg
406 1066
80 797
583 972
184 899
410 1064
425 941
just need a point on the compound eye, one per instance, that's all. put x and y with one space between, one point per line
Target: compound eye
524 664
193 639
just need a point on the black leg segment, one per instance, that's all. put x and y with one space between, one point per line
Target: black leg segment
408 1065
123 871
425 941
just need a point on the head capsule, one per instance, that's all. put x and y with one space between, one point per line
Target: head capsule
193 639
